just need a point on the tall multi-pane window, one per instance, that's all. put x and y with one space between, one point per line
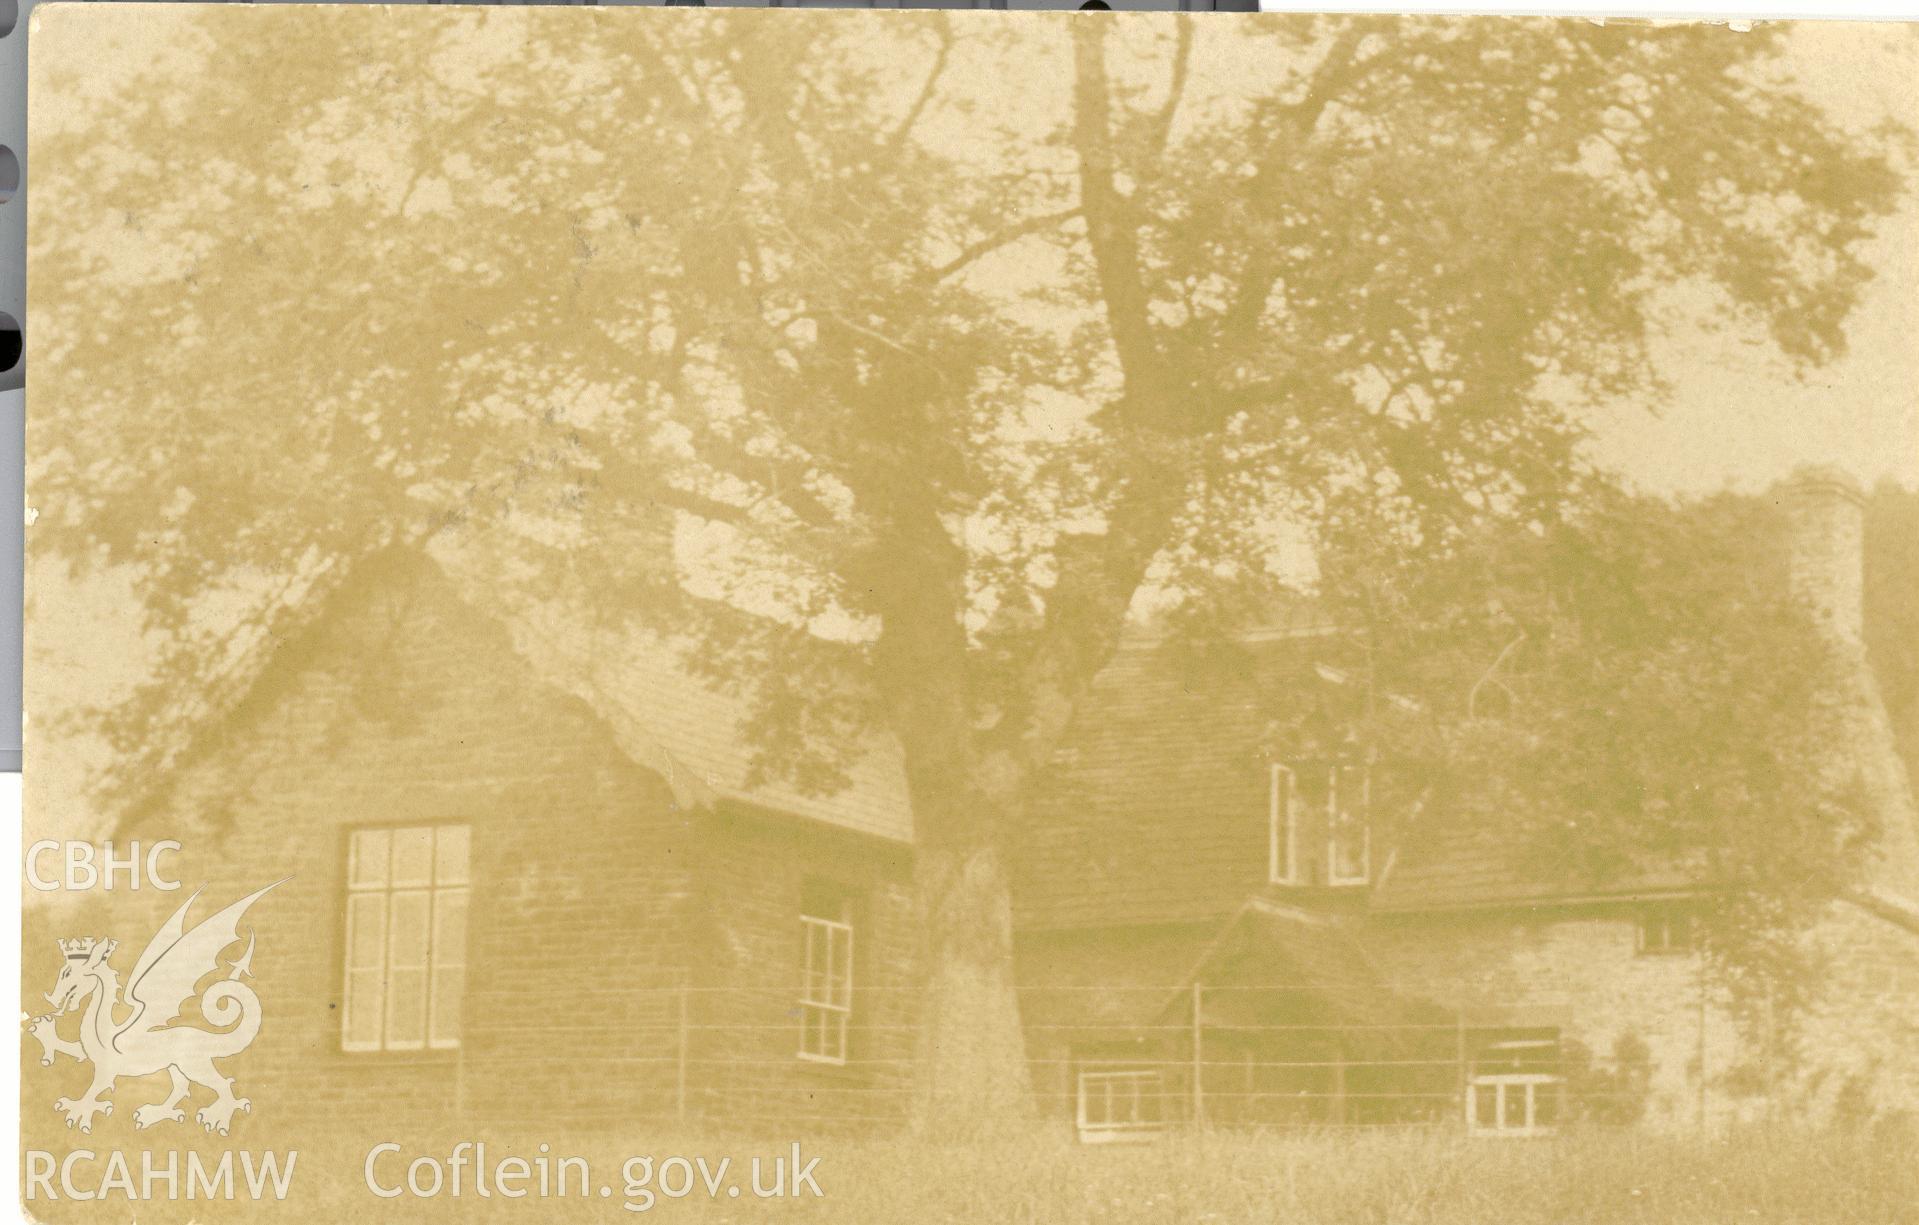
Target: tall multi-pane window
1314 808
405 938
1282 828
1349 837
826 973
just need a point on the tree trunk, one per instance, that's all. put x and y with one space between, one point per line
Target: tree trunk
972 1077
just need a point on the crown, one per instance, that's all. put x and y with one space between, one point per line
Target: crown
77 950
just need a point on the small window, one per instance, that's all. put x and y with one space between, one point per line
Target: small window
1349 837
1513 1087
1117 1102
1282 829
826 972
1665 928
405 938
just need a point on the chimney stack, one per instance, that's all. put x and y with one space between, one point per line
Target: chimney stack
1826 529
1826 543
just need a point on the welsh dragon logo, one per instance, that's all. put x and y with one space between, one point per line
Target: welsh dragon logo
158 991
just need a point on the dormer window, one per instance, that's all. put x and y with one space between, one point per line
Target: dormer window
1317 814
1349 839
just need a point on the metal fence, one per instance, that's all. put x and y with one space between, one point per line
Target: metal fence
1262 1056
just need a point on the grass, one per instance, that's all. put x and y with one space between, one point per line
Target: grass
1417 1178
1761 1176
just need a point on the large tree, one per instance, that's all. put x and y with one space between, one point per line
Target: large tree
1632 689
936 342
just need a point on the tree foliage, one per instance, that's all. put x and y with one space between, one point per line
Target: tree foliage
941 342
1630 694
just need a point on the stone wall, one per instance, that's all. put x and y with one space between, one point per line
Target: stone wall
1859 1042
1578 970
1857 1046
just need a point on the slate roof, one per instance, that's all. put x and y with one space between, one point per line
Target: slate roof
191 723
1156 809
662 717
1462 869
1079 987
1263 962
1273 947
1154 813
691 732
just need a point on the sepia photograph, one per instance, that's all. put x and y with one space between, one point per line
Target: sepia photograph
932 617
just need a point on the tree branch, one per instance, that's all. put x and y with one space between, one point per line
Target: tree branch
997 239
1109 231
1340 67
913 113
1182 63
1337 70
1099 572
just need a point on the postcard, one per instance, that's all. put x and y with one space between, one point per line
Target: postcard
951 616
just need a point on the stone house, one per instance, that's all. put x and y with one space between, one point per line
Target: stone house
530 875
1206 933
510 898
